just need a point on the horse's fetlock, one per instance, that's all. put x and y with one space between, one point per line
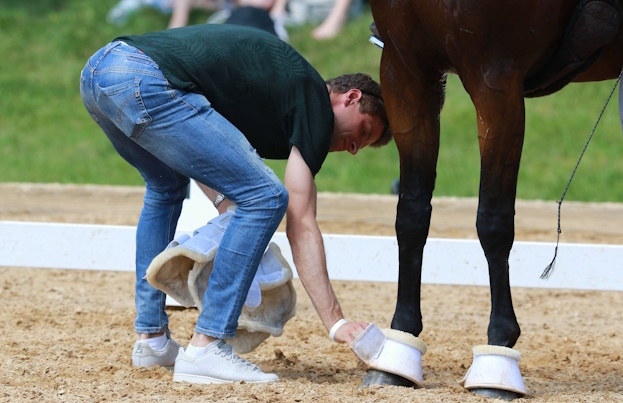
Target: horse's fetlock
503 333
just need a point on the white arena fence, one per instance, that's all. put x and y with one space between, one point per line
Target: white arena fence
349 257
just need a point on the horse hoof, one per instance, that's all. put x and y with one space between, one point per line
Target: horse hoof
497 394
376 377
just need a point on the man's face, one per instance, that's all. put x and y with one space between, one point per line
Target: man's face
353 130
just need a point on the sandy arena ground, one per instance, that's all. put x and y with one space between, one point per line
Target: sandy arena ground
67 335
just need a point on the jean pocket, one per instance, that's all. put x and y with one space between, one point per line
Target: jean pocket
142 59
123 104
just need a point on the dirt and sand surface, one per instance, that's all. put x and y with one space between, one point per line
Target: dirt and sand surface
67 335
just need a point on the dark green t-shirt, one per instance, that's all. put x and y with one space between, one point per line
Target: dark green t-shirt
255 80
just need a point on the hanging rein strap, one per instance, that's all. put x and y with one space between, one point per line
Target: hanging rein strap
550 267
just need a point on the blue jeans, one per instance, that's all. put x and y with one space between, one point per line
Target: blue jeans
170 136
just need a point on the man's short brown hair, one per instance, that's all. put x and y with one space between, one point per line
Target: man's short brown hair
371 100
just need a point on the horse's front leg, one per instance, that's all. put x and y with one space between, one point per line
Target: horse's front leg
413 98
418 143
501 122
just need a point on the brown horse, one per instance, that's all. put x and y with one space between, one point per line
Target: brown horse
502 51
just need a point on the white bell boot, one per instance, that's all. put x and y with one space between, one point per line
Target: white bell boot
183 271
184 259
494 367
393 351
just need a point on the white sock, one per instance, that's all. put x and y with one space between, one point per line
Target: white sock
199 351
156 343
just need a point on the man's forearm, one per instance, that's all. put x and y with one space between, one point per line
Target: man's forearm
311 265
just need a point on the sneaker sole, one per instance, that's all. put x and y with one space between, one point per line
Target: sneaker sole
168 368
202 379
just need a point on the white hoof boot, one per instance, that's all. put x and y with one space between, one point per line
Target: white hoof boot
391 351
175 270
494 367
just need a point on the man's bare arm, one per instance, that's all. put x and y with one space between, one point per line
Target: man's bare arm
308 248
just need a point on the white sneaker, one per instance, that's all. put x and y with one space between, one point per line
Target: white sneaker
218 365
144 356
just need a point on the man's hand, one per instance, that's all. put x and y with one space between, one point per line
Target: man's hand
349 332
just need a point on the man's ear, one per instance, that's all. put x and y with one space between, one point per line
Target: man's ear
353 96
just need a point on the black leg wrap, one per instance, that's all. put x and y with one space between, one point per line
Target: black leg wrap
376 377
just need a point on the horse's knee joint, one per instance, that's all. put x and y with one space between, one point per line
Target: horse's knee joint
495 232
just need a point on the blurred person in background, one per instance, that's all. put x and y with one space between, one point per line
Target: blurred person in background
252 13
329 28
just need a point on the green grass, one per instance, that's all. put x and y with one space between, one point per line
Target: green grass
46 134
